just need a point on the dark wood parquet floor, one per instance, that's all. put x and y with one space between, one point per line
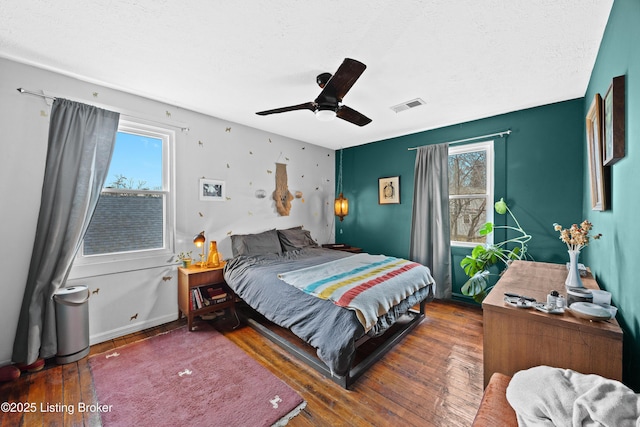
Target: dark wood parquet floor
432 378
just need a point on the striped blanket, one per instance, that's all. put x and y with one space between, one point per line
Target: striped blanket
368 284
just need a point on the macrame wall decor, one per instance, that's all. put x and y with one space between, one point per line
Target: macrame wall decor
282 196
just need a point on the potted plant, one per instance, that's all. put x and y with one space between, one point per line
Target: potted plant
185 257
476 265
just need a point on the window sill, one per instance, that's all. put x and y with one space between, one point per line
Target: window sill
91 268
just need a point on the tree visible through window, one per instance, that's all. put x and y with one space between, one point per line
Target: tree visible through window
470 191
131 214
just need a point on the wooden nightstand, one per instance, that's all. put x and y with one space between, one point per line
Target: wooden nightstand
194 280
342 247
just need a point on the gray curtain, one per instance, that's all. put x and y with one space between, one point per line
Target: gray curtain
430 228
81 141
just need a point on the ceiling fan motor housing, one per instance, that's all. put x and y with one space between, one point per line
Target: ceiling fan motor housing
322 79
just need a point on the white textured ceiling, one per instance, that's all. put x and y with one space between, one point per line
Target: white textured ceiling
468 59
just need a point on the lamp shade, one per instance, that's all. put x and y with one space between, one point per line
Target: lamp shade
199 239
341 207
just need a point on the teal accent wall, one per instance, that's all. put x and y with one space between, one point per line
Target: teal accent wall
613 258
538 171
541 171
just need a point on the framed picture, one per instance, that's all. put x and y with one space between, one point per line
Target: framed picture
613 107
594 149
212 190
389 190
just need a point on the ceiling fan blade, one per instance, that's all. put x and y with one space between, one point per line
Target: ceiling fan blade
340 83
306 106
352 116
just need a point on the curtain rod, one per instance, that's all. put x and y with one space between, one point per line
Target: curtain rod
500 134
53 98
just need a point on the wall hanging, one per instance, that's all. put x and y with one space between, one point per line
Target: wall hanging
613 106
389 190
212 190
282 196
594 150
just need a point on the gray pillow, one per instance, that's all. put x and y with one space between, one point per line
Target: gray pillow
296 238
256 244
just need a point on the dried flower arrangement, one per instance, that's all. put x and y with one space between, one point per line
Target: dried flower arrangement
577 236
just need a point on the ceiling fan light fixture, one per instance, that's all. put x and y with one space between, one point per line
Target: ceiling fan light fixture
325 115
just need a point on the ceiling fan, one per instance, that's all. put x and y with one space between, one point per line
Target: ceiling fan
328 104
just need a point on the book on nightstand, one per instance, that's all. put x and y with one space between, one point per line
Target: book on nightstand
336 246
215 292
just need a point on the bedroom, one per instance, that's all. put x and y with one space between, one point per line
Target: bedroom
540 198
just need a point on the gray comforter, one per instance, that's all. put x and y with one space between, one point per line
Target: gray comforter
332 330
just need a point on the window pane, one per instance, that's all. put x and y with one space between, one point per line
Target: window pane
136 163
467 216
125 222
468 173
132 219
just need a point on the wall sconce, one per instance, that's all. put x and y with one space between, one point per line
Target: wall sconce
199 241
341 205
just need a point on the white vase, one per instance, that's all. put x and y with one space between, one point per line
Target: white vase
573 278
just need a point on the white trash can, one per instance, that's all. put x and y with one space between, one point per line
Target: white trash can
72 323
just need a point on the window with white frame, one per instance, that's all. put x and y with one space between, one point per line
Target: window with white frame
470 192
134 216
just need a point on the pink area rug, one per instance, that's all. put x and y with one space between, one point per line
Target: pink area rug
197 378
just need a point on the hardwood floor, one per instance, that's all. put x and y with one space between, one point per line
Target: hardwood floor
432 378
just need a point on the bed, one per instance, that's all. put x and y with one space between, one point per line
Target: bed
266 270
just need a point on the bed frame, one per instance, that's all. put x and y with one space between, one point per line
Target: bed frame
395 336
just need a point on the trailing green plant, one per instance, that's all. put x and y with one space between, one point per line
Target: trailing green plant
476 265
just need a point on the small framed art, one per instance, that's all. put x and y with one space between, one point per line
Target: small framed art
613 106
594 149
212 190
389 190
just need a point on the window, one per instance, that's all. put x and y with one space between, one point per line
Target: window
134 216
470 192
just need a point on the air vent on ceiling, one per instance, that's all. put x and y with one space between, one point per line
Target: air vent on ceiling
407 105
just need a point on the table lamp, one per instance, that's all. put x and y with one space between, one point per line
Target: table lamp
199 241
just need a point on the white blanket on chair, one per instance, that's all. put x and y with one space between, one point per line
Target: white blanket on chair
545 396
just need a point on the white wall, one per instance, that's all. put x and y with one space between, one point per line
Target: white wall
212 148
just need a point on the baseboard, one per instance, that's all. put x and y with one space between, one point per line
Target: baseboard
463 298
129 329
120 332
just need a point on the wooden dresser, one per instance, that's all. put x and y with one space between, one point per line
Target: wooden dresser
520 338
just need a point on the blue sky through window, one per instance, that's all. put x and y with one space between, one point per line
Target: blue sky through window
138 158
